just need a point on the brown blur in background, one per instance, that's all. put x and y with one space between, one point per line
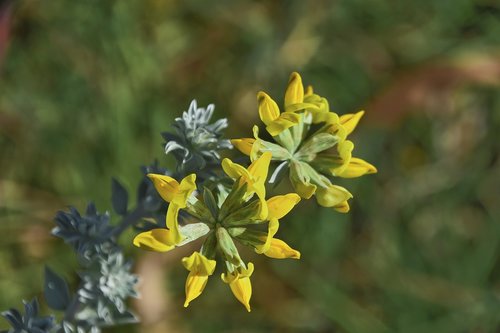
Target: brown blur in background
87 86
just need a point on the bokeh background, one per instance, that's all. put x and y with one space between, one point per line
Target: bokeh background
87 86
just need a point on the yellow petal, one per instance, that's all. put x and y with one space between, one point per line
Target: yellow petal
332 196
268 109
260 167
255 152
234 170
305 190
272 230
344 149
309 91
342 207
199 264
320 116
187 186
281 205
281 250
357 168
351 120
200 268
283 122
159 240
244 145
263 209
172 222
166 186
242 290
195 284
295 90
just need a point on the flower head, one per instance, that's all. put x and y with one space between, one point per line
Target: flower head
196 142
89 234
30 321
240 216
106 287
311 144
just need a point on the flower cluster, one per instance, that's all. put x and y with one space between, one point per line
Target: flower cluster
235 217
311 145
310 142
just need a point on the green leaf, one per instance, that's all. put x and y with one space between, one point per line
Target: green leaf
210 202
192 232
119 197
227 246
56 290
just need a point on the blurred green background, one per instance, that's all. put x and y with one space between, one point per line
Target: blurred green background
87 86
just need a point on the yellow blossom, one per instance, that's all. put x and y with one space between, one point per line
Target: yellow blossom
278 249
239 282
200 268
278 207
357 168
351 120
170 190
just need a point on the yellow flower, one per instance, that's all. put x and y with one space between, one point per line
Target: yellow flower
239 282
270 115
278 207
171 191
200 268
242 290
244 145
332 195
295 100
351 120
162 240
278 249
357 168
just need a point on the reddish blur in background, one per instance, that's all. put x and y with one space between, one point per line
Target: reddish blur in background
87 86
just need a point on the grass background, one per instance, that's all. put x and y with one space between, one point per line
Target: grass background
87 86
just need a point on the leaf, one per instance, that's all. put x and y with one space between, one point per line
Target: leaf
119 197
210 202
192 232
56 290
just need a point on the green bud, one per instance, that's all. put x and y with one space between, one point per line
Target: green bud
210 202
297 132
227 246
